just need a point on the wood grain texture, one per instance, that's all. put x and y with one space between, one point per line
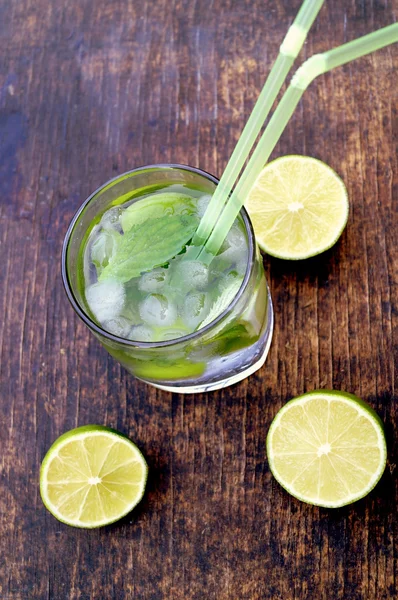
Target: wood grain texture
88 90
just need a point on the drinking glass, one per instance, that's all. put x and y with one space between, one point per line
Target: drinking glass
225 351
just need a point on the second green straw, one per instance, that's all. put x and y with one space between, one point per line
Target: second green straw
288 52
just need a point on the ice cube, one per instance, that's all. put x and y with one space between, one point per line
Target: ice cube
119 326
157 309
241 266
111 219
142 333
190 274
236 237
202 204
103 247
235 251
232 278
195 308
153 281
105 299
234 248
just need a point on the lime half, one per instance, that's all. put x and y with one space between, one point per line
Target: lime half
92 476
327 448
298 206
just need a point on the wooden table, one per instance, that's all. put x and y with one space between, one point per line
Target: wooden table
89 90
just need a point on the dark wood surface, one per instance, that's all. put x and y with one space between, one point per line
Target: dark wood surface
93 88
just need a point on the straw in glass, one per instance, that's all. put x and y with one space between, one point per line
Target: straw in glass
314 66
288 52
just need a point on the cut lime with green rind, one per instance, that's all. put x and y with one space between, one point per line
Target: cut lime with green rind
298 206
92 476
156 206
327 448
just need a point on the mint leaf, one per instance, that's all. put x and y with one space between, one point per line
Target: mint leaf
149 245
157 205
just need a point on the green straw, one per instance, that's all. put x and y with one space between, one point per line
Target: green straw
288 52
314 66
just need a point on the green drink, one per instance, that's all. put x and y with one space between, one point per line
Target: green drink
177 323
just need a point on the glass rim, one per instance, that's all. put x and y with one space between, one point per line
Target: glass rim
161 344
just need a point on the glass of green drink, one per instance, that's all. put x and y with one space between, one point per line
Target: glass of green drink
175 322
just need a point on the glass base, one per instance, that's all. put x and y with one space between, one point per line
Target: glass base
223 383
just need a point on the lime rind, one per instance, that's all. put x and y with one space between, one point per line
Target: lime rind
81 433
364 410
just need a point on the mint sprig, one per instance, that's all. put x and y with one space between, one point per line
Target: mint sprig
156 206
148 245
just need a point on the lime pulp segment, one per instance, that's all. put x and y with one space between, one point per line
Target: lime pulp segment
327 448
92 476
298 206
